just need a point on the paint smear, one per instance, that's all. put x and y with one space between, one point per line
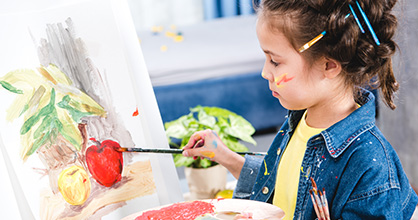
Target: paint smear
215 143
184 210
282 79
265 165
136 112
208 154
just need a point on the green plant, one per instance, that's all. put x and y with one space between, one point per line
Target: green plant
230 127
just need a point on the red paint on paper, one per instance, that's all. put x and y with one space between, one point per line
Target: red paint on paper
136 112
105 162
179 211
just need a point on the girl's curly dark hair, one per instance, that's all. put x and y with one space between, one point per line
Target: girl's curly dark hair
363 61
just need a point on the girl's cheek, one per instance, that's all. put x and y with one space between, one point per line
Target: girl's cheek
282 79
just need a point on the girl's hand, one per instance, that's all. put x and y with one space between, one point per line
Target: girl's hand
207 144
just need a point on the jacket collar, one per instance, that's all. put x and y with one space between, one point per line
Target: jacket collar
339 136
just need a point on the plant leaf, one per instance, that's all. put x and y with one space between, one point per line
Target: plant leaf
218 112
240 128
206 120
229 126
176 128
234 145
205 163
180 160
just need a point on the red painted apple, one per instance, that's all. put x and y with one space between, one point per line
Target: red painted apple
105 163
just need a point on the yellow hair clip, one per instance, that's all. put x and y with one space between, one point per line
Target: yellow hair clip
312 42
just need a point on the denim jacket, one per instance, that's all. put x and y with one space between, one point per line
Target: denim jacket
358 168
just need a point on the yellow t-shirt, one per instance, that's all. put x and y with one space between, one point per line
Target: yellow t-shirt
288 172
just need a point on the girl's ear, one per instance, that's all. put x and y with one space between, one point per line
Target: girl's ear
331 68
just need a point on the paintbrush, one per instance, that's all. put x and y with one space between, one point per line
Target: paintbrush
178 151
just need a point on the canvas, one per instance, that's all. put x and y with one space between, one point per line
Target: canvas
74 88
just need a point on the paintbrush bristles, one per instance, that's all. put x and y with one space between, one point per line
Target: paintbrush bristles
313 183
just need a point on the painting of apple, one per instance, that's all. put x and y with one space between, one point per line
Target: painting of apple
105 163
74 185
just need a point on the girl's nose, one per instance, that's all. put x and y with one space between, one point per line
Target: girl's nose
268 76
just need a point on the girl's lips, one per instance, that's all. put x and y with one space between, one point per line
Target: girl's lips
275 94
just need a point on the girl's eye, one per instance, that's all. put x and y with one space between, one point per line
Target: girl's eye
274 63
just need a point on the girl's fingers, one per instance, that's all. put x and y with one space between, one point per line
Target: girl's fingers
196 137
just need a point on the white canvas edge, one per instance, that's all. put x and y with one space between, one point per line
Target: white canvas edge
167 193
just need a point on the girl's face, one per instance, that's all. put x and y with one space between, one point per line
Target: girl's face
292 80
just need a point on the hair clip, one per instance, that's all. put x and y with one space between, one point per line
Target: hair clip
312 42
368 24
366 20
356 18
317 38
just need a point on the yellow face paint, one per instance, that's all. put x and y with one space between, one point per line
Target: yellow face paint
263 74
208 154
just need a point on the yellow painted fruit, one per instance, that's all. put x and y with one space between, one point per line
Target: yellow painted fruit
224 194
74 185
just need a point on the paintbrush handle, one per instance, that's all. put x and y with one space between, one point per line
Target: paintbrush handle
177 151
252 153
161 151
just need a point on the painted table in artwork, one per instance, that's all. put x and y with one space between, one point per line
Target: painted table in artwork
212 209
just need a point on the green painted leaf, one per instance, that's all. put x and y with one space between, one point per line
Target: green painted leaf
31 121
39 142
25 108
76 114
69 136
44 127
11 88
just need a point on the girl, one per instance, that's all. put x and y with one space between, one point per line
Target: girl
319 53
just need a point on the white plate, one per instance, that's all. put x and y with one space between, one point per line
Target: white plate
258 210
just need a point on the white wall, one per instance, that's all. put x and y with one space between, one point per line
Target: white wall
149 13
401 126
